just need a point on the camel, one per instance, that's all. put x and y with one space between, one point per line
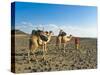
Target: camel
63 40
49 34
37 40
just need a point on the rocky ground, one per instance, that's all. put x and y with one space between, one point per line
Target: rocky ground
55 59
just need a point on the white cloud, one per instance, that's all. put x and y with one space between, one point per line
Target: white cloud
69 29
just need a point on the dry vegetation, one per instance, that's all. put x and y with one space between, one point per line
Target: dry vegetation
56 59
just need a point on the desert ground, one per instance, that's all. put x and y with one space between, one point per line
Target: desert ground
56 60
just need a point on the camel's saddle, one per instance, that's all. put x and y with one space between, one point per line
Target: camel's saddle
41 34
62 34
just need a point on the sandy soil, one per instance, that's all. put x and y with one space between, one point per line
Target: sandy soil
56 59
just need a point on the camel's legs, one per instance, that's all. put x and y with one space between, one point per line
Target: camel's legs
29 52
59 46
29 57
33 49
45 46
44 49
64 47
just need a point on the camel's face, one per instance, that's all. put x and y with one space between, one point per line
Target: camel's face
46 33
51 33
70 35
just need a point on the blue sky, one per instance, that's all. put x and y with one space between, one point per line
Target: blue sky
70 18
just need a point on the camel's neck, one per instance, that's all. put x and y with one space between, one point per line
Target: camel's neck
69 38
49 37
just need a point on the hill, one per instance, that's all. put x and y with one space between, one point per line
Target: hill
18 32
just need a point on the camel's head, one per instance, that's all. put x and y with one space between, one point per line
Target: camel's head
51 33
70 35
48 33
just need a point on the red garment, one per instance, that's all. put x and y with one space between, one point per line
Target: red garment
77 40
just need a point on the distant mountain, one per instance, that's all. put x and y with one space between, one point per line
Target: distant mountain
18 32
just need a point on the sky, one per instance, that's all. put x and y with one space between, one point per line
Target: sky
73 19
